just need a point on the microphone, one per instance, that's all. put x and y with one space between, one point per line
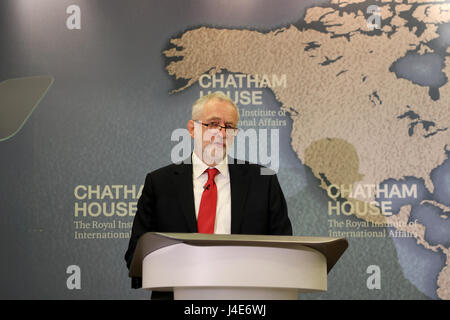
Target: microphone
206 187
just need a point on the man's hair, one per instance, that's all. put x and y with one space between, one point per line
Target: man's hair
197 108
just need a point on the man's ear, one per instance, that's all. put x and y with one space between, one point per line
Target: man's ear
190 127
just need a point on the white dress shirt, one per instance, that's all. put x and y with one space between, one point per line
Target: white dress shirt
222 180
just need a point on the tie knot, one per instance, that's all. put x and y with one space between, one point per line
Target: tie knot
212 173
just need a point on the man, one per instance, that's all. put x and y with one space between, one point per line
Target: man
210 193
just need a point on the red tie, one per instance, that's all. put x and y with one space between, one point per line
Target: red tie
207 212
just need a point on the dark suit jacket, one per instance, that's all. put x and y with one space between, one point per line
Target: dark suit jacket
167 204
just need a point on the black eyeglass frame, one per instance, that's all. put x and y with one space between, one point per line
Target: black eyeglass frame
216 125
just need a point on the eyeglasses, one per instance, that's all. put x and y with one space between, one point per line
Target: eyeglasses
216 125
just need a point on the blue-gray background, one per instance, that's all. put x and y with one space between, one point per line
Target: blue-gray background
107 120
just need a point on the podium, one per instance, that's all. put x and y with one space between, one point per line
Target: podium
234 267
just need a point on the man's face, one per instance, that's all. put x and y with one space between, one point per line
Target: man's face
211 144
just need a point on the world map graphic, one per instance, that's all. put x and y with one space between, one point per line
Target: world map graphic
369 105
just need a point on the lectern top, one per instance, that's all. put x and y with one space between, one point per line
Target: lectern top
331 248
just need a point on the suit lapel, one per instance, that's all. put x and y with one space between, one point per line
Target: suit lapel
182 183
183 186
239 188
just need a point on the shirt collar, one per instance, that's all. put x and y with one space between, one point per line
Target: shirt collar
199 166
